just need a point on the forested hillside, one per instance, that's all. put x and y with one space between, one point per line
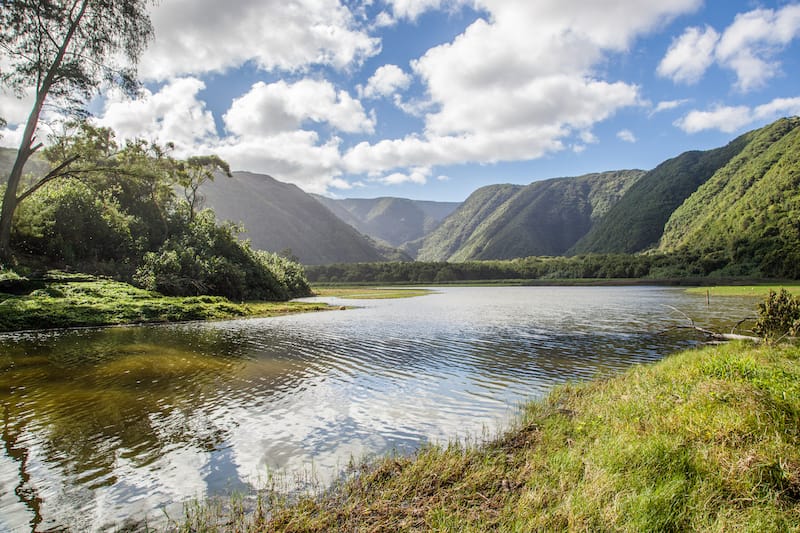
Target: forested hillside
457 228
280 217
544 218
392 220
637 221
746 218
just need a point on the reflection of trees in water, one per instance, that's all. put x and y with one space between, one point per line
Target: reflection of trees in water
89 398
19 454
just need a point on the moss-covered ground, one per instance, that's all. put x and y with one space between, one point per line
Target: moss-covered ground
705 440
61 301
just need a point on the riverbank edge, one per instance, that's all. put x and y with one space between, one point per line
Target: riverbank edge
705 439
569 282
97 302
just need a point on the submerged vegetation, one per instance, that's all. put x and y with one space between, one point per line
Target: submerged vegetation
703 440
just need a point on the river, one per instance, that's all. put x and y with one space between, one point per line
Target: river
104 428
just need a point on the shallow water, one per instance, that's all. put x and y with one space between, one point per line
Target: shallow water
103 427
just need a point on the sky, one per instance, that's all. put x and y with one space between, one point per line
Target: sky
431 99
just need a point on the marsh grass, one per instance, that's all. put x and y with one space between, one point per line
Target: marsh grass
60 301
705 440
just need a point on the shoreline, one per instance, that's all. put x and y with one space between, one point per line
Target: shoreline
703 439
98 303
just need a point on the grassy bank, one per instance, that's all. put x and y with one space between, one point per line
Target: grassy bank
369 293
80 301
705 440
759 290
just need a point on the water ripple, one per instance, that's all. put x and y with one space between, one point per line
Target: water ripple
106 426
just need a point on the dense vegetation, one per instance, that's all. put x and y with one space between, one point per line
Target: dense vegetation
119 214
746 218
705 440
637 221
457 228
656 266
544 218
57 300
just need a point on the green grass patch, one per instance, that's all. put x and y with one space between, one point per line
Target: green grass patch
757 291
370 293
79 301
705 440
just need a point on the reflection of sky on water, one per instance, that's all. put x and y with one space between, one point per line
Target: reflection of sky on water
119 423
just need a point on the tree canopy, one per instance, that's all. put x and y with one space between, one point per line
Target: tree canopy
62 51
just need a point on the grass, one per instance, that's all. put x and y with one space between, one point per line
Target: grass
80 301
705 440
758 290
370 293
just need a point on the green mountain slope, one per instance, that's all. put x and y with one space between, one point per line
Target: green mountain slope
748 212
637 221
457 228
279 216
546 217
392 220
543 218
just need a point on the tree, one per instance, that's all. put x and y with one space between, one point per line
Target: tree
194 172
64 50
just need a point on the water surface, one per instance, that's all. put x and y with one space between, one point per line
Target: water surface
103 427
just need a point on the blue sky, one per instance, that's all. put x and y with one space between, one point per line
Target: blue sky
431 99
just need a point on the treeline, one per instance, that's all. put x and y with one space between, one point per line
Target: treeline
130 211
590 266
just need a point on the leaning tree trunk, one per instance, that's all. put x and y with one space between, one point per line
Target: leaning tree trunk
26 148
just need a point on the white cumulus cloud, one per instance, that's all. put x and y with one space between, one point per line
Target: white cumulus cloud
173 114
626 135
386 81
201 36
515 84
278 107
730 119
411 9
748 47
690 55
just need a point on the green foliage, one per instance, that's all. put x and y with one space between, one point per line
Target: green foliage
778 316
119 215
73 222
456 229
544 218
636 222
746 216
590 266
205 258
58 300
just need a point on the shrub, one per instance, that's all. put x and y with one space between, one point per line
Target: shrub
778 316
204 258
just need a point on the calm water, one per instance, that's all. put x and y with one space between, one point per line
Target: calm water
106 427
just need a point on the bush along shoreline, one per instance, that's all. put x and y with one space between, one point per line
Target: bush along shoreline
704 440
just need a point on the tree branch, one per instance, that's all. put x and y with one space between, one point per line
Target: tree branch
50 176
